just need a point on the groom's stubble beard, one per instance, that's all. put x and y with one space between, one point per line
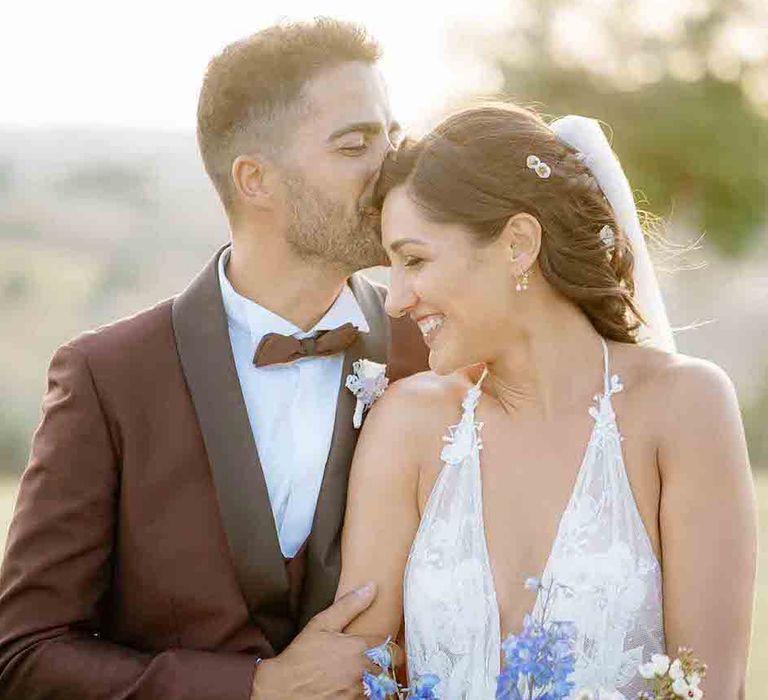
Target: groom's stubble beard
323 230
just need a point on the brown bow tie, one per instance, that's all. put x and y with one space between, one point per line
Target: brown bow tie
275 348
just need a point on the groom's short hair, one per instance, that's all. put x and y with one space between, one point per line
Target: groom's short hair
253 87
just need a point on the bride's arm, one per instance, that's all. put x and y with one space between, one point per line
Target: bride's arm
708 525
382 513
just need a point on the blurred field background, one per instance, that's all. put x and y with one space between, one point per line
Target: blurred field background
100 218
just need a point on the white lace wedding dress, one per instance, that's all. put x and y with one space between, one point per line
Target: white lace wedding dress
601 552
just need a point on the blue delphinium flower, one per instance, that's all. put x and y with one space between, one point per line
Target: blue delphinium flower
539 661
381 655
384 685
378 687
422 687
507 684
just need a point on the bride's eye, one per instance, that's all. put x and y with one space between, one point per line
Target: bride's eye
412 261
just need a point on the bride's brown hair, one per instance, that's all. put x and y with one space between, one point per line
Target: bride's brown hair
471 170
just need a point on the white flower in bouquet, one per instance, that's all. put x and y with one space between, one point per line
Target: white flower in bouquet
657 666
688 688
678 679
676 672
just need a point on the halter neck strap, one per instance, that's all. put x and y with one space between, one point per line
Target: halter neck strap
606 367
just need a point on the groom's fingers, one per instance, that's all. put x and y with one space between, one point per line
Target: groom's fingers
336 617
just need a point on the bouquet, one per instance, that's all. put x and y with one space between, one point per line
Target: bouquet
385 684
538 664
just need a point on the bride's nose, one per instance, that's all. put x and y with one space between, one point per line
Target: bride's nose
401 297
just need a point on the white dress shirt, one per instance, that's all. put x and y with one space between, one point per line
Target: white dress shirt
291 407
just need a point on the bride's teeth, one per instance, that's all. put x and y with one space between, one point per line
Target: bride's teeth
429 324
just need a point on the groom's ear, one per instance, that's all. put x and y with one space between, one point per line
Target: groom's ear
251 176
521 237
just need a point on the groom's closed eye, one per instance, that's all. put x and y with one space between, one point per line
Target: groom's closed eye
356 147
359 136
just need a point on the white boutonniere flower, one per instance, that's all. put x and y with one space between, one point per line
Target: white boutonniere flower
367 382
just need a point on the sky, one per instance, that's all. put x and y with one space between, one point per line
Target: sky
140 64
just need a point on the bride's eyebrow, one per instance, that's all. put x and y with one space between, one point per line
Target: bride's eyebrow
400 242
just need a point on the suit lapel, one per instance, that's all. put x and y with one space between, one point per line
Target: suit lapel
323 564
202 339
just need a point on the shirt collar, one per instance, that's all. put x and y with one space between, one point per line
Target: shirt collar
258 321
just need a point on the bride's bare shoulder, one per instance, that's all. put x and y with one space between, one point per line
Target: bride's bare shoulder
685 390
673 376
422 402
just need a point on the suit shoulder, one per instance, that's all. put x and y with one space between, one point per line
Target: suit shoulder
138 332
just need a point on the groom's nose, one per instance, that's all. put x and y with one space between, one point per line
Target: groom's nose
401 297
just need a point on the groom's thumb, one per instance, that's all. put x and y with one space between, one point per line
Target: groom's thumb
337 616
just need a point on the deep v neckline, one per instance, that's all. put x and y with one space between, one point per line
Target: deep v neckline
601 554
611 385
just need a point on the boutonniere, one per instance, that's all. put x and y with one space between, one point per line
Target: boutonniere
367 382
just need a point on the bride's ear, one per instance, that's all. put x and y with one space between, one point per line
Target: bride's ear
521 239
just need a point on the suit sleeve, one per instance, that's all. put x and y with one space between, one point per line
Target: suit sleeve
57 569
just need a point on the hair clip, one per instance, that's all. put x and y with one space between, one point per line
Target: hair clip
538 166
607 235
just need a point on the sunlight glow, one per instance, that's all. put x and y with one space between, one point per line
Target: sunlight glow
140 64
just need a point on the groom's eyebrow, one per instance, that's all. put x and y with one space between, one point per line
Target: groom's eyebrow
370 128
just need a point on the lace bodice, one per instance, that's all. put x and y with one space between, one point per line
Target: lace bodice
610 579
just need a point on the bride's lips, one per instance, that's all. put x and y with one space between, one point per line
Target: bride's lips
430 327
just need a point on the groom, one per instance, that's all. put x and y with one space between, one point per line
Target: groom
176 534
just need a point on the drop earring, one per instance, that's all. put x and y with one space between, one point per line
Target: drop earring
522 281
522 278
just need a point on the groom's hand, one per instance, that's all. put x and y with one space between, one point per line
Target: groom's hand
322 661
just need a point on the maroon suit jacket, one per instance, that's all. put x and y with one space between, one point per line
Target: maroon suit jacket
142 560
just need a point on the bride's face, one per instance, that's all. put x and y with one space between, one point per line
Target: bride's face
459 291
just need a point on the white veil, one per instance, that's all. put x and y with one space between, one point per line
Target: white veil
586 136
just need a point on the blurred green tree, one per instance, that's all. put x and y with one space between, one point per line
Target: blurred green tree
755 417
684 94
15 287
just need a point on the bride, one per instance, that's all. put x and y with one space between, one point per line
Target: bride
558 435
